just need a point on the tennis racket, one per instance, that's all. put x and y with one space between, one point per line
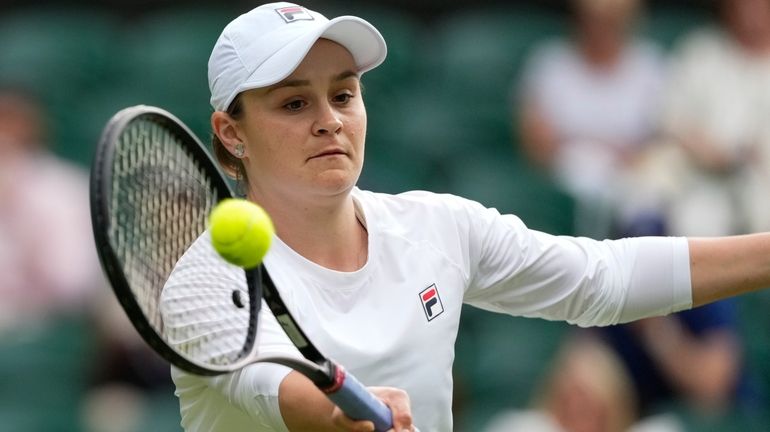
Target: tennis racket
152 188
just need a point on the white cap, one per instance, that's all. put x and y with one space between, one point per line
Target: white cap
265 45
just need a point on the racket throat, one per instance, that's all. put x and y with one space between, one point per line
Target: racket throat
337 379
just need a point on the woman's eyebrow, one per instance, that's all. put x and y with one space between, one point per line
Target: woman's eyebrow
289 83
346 74
304 82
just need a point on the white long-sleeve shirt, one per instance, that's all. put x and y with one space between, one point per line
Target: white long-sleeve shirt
394 321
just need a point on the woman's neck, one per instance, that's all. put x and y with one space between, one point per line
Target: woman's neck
604 55
328 234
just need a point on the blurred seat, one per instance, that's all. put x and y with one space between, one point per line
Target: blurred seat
698 421
421 121
402 32
480 48
162 413
393 173
454 152
59 54
667 24
514 187
755 329
500 361
166 56
163 62
474 57
43 375
424 124
87 120
56 50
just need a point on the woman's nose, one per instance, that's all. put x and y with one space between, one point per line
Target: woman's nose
328 121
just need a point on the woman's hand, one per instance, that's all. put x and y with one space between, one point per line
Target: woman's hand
398 402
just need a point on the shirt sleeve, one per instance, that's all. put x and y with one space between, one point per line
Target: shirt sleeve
535 78
254 389
200 278
586 282
691 74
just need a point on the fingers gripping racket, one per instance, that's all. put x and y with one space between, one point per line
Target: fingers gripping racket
152 188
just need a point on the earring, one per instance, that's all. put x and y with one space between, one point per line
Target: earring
239 152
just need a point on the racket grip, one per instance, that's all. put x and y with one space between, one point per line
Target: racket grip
359 403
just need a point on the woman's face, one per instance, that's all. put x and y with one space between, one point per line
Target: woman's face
603 25
749 20
304 137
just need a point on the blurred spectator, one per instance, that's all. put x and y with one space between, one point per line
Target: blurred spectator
691 359
128 378
47 260
638 377
50 270
589 104
587 389
708 177
716 170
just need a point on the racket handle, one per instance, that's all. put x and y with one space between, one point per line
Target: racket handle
359 403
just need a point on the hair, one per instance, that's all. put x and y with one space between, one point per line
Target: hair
628 8
22 106
600 371
232 165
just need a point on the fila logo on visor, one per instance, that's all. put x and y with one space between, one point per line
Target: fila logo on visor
431 302
294 13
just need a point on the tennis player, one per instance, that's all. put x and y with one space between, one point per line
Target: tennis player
377 281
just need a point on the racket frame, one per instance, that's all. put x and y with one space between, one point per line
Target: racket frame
342 388
100 197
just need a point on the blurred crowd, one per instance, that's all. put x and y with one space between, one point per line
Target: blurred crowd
645 139
651 144
56 309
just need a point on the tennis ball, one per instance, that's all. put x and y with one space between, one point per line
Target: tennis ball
241 232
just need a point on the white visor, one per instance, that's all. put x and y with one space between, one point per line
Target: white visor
265 45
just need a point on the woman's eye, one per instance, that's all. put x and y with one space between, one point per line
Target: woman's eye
343 98
295 105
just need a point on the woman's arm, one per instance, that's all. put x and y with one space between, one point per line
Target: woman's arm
727 266
538 139
704 368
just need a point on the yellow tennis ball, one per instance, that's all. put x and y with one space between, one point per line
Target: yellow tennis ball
241 232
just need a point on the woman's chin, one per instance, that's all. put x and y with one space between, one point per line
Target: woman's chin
337 181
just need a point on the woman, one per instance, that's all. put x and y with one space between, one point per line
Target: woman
715 116
356 267
588 107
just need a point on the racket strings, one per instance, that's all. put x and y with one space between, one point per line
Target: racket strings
160 201
201 320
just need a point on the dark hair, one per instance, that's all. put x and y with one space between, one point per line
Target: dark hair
232 165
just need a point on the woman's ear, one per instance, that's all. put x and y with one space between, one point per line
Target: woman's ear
226 128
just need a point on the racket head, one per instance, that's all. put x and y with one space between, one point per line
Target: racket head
153 185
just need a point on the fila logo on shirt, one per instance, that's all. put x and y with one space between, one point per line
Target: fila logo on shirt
431 302
294 13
